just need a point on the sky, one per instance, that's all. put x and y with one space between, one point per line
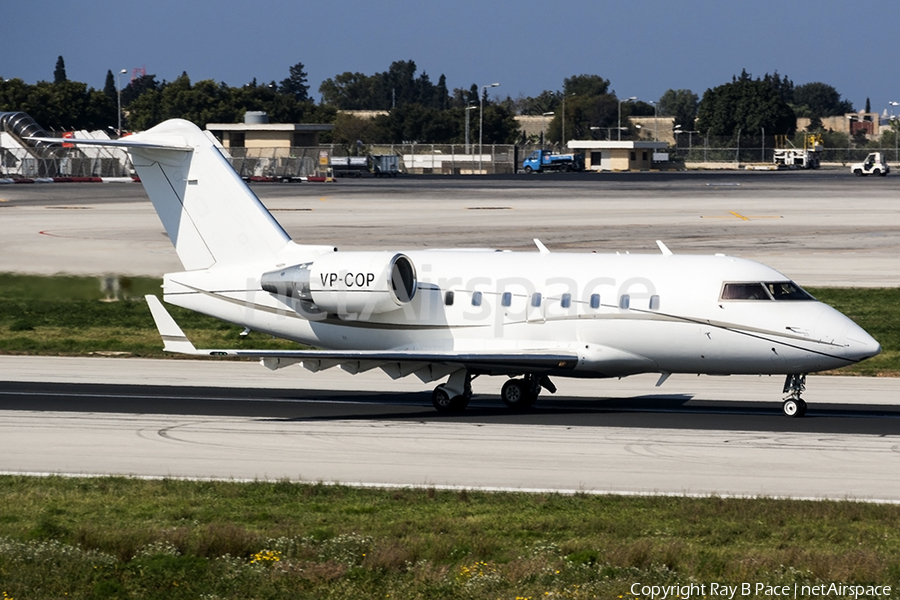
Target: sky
643 49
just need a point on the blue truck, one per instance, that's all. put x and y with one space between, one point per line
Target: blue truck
544 160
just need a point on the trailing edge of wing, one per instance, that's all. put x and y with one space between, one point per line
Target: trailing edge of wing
176 341
120 143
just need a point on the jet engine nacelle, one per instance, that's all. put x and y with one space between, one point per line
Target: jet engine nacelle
348 283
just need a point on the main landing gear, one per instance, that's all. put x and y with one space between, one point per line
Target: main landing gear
523 393
518 394
453 396
794 405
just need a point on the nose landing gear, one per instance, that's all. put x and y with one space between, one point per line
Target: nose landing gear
794 385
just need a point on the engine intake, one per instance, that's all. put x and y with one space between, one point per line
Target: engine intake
349 284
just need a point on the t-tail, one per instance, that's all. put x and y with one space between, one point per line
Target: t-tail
209 213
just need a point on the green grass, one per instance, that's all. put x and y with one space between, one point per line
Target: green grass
127 538
877 310
83 315
64 315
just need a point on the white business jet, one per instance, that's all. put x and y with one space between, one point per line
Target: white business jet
459 314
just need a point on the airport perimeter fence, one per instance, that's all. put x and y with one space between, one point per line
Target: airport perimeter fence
46 162
293 163
754 151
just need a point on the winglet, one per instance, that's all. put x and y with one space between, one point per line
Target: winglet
541 247
171 333
663 248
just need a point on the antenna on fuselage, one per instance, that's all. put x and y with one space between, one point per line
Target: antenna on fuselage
663 248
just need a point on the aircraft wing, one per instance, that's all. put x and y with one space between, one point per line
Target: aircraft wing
428 366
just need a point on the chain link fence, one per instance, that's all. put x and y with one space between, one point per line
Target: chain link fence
420 159
36 163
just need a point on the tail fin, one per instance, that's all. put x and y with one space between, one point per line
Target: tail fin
209 213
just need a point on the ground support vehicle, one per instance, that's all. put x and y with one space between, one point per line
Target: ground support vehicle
875 164
544 160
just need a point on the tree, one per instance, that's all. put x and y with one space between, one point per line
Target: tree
585 85
868 105
818 99
681 104
59 73
747 105
109 87
295 85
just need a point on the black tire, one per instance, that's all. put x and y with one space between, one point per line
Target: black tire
516 395
877 172
441 400
444 403
858 172
792 408
529 170
802 407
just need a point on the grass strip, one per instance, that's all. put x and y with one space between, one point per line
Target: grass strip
63 315
126 538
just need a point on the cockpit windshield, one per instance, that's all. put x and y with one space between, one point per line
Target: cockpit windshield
787 290
770 290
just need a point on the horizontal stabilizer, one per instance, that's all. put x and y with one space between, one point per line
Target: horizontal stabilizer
119 143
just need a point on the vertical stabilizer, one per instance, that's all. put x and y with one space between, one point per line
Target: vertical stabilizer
210 214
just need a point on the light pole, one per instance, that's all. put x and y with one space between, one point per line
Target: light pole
630 99
481 121
543 126
468 108
564 120
896 131
119 94
655 120
763 152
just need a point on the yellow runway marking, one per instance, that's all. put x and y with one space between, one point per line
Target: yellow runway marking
735 215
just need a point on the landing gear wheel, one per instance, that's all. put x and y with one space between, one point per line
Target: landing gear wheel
794 408
518 394
444 403
514 394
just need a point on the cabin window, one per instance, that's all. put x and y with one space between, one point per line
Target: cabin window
448 298
624 301
566 300
506 300
595 300
654 302
787 290
744 291
536 299
476 299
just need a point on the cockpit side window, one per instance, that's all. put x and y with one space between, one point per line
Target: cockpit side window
744 291
787 290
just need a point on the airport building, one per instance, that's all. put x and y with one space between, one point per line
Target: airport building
607 155
256 133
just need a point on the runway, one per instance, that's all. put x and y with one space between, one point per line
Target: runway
692 436
700 436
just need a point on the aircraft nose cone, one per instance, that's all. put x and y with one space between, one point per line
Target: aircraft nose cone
859 345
